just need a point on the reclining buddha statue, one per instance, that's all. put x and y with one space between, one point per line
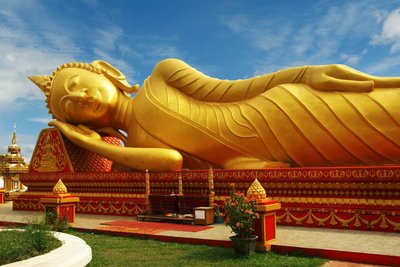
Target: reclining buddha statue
328 115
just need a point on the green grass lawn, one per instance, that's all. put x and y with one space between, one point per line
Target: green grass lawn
18 245
108 250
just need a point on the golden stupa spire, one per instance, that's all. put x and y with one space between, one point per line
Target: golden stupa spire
256 191
14 148
14 138
59 188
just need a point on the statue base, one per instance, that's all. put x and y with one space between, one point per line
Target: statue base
359 198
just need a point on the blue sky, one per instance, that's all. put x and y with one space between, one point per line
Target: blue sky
224 39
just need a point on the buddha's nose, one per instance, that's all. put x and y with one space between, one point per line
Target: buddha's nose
83 93
89 92
77 94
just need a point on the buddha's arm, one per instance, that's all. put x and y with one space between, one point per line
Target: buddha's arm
193 83
154 159
334 77
337 77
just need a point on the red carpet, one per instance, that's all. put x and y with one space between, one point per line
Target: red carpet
149 227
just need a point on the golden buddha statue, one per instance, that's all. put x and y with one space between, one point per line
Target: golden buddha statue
330 115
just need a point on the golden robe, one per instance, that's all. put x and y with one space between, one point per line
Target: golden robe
218 121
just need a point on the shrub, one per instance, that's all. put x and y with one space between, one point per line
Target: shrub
56 223
241 214
39 237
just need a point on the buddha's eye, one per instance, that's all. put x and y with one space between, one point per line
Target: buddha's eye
72 83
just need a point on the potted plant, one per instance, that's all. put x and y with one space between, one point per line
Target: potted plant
240 216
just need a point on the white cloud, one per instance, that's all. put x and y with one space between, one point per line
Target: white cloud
303 40
91 3
259 32
43 120
380 67
235 22
391 26
390 33
108 38
350 59
322 34
112 45
164 50
17 63
27 143
23 53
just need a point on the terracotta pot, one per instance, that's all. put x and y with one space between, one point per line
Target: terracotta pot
244 246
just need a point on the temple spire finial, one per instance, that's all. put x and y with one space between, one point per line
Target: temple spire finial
14 137
14 147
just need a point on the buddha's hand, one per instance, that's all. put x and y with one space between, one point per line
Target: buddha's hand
78 135
343 78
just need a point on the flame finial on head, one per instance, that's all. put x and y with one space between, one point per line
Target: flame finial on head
41 82
44 83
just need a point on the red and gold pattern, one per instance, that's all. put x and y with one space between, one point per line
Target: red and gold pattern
335 218
50 153
87 161
53 153
366 198
89 205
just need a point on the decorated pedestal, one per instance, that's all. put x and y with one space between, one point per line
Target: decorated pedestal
2 195
60 204
265 225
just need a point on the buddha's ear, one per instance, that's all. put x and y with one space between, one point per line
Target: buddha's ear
115 76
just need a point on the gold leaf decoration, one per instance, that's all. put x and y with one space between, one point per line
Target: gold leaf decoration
256 190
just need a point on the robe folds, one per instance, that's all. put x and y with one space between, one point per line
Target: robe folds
219 120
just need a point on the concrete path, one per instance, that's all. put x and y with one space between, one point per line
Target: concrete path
344 242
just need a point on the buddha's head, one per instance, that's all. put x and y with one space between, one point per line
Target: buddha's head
84 93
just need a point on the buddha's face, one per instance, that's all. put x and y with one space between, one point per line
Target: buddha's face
81 96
